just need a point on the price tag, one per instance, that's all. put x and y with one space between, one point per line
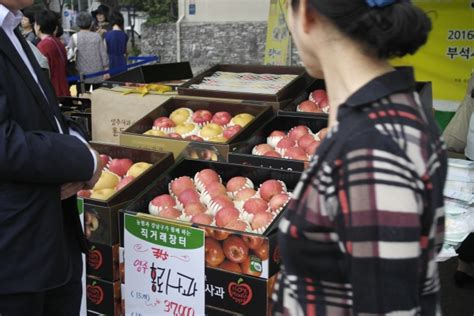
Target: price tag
164 268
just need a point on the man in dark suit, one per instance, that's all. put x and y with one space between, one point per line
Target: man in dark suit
44 161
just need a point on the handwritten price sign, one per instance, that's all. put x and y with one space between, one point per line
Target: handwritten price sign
164 268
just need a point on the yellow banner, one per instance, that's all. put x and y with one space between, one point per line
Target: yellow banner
278 36
448 58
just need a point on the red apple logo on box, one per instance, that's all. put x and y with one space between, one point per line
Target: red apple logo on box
94 258
95 294
240 292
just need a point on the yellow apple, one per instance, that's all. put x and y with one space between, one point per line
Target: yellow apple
102 194
154 132
107 180
138 168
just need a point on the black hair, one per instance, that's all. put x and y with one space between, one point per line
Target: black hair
116 18
30 15
47 21
394 30
101 9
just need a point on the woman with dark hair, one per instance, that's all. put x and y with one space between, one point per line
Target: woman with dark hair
362 233
116 41
27 26
91 53
53 49
101 20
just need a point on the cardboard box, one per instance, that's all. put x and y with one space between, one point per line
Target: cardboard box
102 215
264 261
151 74
277 100
230 293
103 297
283 122
103 261
133 136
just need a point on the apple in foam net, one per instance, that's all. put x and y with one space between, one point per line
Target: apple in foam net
236 184
285 142
235 249
202 116
122 183
207 176
245 194
163 122
298 131
102 194
311 149
174 136
230 131
221 118
194 138
120 166
226 215
222 201
309 106
107 180
277 134
305 141
138 168
272 153
188 196
323 133
261 220
170 213
181 184
318 95
296 153
202 218
213 252
237 225
104 159
255 205
194 208
161 202
261 149
215 189
270 188
278 201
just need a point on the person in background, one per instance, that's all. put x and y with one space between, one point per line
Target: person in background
44 161
53 49
91 54
116 41
101 20
27 26
361 235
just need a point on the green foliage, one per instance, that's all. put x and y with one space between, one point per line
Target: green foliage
159 11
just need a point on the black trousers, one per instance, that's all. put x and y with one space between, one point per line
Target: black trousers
62 301
466 250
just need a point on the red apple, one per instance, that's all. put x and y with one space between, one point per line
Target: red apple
222 118
284 143
261 220
213 252
202 116
194 138
230 131
215 189
194 208
261 149
272 153
270 188
174 136
84 193
311 149
120 166
322 133
263 251
253 242
206 177
247 269
220 234
237 225
298 131
188 196
181 184
235 249
104 159
161 202
230 266
277 134
245 194
318 95
220 202
238 183
296 153
122 183
163 122
226 215
278 201
202 218
255 205
305 141
308 106
170 213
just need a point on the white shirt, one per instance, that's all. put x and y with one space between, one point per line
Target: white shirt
8 22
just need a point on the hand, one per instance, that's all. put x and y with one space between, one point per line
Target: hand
95 177
70 189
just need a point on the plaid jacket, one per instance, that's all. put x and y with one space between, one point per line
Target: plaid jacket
367 221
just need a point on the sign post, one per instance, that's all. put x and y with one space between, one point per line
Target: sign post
164 268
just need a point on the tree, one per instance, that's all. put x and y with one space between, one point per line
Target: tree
159 11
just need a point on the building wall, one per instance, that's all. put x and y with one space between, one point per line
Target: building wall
206 44
225 10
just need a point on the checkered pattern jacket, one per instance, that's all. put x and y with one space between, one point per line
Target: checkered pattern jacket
362 233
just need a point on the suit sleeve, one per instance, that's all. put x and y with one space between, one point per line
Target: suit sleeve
40 156
381 205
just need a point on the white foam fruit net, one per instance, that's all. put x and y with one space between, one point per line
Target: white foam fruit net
244 82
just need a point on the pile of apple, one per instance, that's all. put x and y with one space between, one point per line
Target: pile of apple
299 143
236 253
116 174
201 125
318 102
236 205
